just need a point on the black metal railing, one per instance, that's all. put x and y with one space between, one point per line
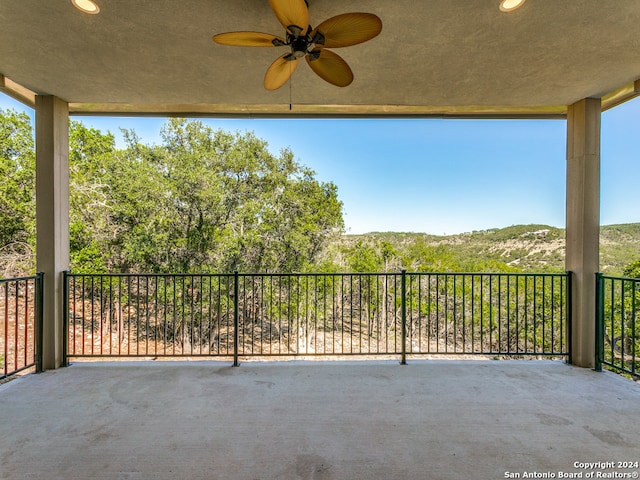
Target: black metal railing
489 314
618 325
348 314
20 324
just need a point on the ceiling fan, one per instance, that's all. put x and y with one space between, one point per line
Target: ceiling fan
311 43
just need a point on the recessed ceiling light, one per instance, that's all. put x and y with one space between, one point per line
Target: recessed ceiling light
510 5
86 6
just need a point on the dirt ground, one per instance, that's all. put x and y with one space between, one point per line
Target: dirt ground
17 338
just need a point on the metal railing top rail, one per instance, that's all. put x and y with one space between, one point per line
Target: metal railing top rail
316 274
15 279
615 277
69 273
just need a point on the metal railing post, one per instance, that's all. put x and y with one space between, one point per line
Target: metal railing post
403 287
236 301
569 316
599 347
39 320
65 318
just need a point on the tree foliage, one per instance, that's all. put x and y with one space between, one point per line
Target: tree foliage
17 194
370 253
632 270
202 201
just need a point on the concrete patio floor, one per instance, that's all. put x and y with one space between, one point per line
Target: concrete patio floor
435 419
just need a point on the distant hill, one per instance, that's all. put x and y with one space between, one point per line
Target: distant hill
525 247
619 246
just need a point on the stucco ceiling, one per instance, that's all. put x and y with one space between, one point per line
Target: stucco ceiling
433 57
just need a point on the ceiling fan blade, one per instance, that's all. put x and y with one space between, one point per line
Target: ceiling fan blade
292 14
280 71
248 39
348 29
330 67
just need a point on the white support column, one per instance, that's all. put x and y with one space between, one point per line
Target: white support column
583 223
52 217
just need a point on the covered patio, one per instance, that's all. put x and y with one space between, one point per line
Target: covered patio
430 419
433 59
340 420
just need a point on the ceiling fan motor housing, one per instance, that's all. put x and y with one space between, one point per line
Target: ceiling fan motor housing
301 45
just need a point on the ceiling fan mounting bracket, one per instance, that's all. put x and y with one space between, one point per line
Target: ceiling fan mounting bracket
318 38
313 55
294 30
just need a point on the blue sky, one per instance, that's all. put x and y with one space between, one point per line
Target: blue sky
440 176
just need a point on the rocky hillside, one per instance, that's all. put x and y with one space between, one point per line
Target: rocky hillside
525 247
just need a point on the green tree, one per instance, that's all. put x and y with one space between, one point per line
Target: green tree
17 194
91 158
202 201
389 254
241 207
632 270
364 258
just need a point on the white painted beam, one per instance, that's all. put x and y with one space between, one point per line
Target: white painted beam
17 91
